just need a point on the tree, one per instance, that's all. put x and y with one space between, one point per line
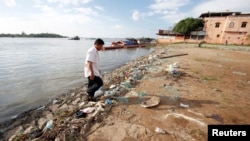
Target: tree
187 25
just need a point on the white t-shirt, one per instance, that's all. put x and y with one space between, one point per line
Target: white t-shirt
92 56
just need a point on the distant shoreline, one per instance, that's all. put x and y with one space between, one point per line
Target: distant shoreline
32 35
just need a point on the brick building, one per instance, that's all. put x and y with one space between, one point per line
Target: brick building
219 28
227 27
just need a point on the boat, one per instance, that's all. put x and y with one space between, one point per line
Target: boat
75 38
130 43
124 43
122 47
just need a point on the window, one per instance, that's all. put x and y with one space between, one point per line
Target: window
217 25
231 25
218 35
243 24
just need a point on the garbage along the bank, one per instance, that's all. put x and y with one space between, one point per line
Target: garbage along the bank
153 101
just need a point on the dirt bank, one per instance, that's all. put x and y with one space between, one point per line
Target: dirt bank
208 86
213 88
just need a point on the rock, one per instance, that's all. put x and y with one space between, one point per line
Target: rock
72 94
41 123
81 105
28 130
49 115
54 107
64 106
17 132
75 102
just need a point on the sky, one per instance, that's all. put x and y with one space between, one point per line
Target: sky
105 18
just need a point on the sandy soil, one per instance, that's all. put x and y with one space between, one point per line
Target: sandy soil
211 87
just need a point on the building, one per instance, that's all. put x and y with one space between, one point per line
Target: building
219 28
168 36
227 27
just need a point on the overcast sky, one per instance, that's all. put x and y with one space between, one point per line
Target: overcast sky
105 18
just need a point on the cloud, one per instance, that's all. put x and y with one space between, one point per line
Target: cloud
117 26
50 19
69 2
46 9
38 1
172 11
163 5
173 16
221 5
10 3
86 11
73 15
136 15
168 10
99 8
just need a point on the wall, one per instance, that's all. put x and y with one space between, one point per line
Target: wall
232 34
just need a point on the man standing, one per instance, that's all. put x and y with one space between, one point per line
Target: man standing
92 68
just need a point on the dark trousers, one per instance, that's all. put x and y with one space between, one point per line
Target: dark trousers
94 85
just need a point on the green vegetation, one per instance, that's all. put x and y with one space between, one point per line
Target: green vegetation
187 25
39 35
210 78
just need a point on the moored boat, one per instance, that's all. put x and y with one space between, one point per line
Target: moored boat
130 43
122 47
75 38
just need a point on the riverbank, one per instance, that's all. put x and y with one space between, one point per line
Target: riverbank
195 92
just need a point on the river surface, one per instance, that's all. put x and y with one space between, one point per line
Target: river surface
36 70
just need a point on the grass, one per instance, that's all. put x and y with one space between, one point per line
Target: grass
223 76
204 60
210 78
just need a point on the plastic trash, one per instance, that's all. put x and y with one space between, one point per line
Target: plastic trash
98 93
159 130
122 99
184 105
100 88
49 125
109 93
41 108
112 86
55 101
153 101
100 106
80 114
172 70
108 101
126 85
176 65
88 110
83 113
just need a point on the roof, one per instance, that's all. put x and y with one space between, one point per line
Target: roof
199 33
168 32
218 14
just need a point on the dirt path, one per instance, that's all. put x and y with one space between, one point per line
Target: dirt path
213 88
